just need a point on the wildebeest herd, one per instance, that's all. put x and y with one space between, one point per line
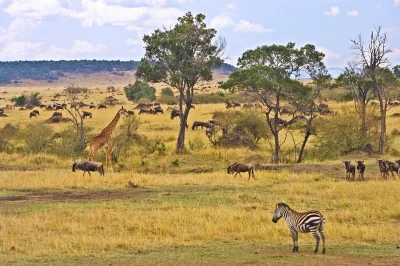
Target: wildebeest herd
385 167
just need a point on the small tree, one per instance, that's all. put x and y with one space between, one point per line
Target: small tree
267 72
19 101
358 82
181 57
140 90
371 58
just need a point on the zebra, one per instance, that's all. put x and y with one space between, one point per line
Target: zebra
311 221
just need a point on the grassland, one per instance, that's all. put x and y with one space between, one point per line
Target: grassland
191 214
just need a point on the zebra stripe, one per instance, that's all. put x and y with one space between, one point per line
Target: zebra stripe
306 222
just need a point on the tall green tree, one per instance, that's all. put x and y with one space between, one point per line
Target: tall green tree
181 57
268 72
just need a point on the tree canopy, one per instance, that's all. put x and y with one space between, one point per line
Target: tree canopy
180 57
140 90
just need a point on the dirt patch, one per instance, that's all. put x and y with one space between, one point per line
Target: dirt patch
54 196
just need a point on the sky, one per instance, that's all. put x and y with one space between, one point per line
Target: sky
113 29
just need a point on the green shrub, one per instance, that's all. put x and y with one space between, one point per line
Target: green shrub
37 137
140 90
167 92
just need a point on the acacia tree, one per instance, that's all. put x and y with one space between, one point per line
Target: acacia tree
371 58
268 72
358 82
181 57
396 71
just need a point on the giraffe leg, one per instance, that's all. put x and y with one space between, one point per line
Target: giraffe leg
109 157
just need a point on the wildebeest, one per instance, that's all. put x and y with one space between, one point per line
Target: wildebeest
393 167
32 114
238 168
360 169
158 109
102 106
350 169
175 113
383 168
56 114
197 124
88 166
147 111
86 114
130 112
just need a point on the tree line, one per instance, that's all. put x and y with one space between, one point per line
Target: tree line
15 71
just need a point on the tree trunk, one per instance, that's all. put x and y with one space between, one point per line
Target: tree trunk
382 109
303 146
276 131
363 119
180 144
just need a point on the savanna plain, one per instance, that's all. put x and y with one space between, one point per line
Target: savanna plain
170 209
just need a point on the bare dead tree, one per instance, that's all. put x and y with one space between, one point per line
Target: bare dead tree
371 58
359 84
77 119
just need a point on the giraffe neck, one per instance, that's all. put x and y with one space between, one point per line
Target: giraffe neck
110 128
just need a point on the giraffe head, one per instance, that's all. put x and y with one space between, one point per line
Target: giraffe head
122 111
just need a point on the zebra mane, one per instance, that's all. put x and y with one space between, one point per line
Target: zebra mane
284 205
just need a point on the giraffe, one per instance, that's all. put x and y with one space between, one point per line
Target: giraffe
103 140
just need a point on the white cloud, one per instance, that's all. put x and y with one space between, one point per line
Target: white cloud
396 3
19 29
328 53
36 9
230 6
152 2
333 12
17 50
353 13
183 1
221 21
80 47
245 26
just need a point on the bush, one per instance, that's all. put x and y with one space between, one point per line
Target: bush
67 144
167 92
140 90
7 133
340 134
37 136
76 90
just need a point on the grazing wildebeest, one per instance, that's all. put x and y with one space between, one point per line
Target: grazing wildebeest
130 112
56 114
158 109
360 169
88 166
32 114
102 106
175 113
197 124
36 112
350 169
86 114
146 111
238 168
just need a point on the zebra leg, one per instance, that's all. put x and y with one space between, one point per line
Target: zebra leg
315 234
295 238
321 232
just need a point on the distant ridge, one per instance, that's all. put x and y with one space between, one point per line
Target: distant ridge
14 71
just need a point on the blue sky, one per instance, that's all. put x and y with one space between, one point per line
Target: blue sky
113 29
